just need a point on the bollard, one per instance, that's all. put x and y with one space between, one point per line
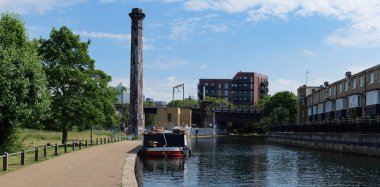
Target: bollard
56 150
23 157
101 140
86 143
80 144
36 154
5 161
73 145
45 151
104 140
65 146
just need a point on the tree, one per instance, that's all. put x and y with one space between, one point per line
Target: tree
281 108
24 98
220 102
80 93
187 103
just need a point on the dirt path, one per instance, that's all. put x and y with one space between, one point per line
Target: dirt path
96 166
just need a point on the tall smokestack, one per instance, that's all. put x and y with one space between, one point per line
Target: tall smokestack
136 108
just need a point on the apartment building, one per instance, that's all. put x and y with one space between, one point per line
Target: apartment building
244 89
353 97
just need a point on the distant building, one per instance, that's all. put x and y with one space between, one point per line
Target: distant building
123 98
244 89
353 97
302 93
173 116
149 100
160 103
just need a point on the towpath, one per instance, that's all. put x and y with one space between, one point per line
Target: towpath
103 165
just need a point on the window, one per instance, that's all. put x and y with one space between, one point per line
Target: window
206 84
315 109
251 86
371 77
340 104
169 117
353 83
226 92
373 97
361 81
346 87
309 111
220 86
320 108
302 101
226 86
340 87
354 101
329 106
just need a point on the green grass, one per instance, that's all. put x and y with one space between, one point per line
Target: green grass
31 138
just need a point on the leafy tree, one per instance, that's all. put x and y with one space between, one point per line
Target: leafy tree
80 93
24 99
280 108
187 103
220 102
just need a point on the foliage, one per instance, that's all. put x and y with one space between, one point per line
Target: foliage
148 103
280 108
80 93
220 102
187 103
24 99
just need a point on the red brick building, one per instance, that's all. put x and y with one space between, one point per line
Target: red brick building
244 89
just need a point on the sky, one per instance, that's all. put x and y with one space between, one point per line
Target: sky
185 40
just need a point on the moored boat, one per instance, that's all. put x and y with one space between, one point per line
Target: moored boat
165 144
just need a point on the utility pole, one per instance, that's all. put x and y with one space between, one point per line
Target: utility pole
183 90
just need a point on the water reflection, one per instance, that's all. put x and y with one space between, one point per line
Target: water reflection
250 161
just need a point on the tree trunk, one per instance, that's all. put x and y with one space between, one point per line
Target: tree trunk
64 135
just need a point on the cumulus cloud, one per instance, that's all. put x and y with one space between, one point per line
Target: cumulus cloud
363 17
102 35
183 28
34 6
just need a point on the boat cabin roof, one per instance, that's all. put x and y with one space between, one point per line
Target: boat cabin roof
172 140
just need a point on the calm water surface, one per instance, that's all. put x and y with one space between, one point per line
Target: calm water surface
250 161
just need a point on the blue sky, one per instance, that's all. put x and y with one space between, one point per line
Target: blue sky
185 40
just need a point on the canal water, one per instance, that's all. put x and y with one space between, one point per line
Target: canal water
251 161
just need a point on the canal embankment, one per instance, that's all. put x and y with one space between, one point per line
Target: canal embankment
362 144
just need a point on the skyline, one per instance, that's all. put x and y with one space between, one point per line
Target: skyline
185 40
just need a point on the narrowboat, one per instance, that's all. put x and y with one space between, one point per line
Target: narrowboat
165 144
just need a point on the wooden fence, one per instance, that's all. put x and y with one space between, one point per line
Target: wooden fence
42 153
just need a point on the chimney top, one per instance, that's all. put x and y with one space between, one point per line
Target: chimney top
137 10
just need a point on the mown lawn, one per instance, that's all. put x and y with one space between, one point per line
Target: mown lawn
31 138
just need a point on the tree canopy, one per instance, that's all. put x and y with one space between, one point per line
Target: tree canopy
24 99
80 93
187 103
281 108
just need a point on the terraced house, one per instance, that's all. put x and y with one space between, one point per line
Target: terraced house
351 98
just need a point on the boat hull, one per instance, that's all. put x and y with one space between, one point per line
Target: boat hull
165 152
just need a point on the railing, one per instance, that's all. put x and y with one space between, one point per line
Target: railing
346 126
45 152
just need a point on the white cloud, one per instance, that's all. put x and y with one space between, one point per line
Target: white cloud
183 28
117 80
309 52
167 65
283 85
102 35
363 17
162 89
34 6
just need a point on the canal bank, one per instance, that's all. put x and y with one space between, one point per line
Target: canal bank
362 144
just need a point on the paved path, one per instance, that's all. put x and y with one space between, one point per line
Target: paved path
96 166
